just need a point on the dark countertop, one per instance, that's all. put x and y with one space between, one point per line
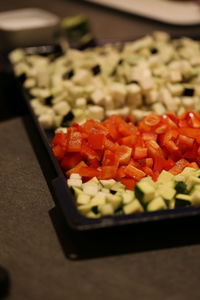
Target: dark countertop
46 259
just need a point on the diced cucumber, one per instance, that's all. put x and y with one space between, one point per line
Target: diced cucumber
83 199
90 188
108 183
191 181
91 214
181 187
156 204
77 191
98 199
117 187
133 207
182 200
128 196
144 192
195 197
167 193
107 209
114 200
165 177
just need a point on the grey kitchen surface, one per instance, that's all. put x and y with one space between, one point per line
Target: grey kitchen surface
46 259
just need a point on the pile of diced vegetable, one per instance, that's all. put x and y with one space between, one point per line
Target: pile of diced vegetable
117 166
151 74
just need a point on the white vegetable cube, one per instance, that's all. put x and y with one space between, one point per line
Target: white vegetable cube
46 121
81 77
74 183
188 102
98 97
158 108
81 102
97 112
62 108
75 176
134 97
118 93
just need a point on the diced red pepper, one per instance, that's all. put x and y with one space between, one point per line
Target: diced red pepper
140 152
70 160
124 154
88 172
74 142
129 183
96 141
179 166
107 172
110 159
76 169
134 172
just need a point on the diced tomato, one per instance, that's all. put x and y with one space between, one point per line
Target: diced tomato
76 169
74 142
96 141
134 172
70 160
129 183
179 166
124 154
140 152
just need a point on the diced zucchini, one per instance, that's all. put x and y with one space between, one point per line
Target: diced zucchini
83 199
114 200
144 192
107 209
192 180
182 200
77 191
181 187
165 177
128 196
108 183
133 207
98 199
90 188
156 204
195 197
117 187
167 193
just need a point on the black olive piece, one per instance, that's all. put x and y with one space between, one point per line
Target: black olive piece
68 74
120 61
188 92
154 50
22 77
133 81
113 73
96 70
113 192
68 117
95 209
48 100
4 282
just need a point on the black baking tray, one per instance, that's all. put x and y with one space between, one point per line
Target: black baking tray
63 195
